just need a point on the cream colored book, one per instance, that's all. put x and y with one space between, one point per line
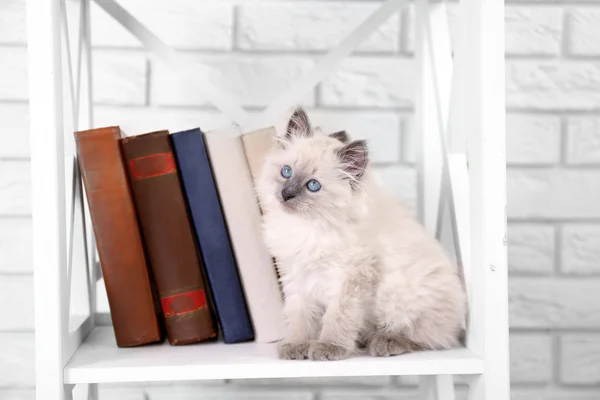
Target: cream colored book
257 145
242 214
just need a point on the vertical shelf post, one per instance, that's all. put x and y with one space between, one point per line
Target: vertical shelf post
48 196
484 122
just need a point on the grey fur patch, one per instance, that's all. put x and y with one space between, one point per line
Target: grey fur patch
324 351
293 351
298 125
294 185
384 345
342 136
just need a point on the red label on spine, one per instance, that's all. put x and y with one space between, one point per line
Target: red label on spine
152 165
183 303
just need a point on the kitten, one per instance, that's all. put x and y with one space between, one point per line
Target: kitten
356 268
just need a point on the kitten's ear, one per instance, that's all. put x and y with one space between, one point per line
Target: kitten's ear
298 125
342 136
354 158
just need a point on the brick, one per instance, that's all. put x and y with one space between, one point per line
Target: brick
401 182
535 30
550 303
381 130
17 367
583 140
16 290
553 84
553 393
134 121
185 24
15 188
532 139
410 140
530 358
14 78
311 26
584 37
18 394
371 82
553 193
225 393
580 249
530 248
374 381
250 81
14 135
119 78
580 359
15 245
13 28
529 30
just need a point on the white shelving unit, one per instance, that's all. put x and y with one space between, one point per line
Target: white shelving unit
462 186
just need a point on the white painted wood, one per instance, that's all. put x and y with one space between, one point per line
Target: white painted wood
475 193
100 360
441 70
289 98
429 161
86 121
460 211
85 391
92 391
485 102
48 202
68 391
444 387
437 387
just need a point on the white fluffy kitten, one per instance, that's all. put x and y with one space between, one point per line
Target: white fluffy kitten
356 268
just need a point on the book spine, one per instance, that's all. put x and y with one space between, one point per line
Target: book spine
243 218
118 240
167 231
211 234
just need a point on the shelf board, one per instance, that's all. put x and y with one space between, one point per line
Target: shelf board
99 360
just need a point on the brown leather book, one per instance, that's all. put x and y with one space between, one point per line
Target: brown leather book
133 310
167 232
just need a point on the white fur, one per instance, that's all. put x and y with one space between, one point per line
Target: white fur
355 264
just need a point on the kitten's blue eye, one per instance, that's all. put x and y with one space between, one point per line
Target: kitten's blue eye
313 185
286 171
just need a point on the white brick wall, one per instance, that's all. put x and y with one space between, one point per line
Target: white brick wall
553 150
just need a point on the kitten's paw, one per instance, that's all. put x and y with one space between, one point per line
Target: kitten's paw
293 350
386 345
323 351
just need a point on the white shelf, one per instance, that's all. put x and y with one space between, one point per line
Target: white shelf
99 360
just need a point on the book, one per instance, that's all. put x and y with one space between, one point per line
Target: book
242 215
133 311
212 236
167 233
257 145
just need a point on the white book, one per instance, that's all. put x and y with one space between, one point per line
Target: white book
242 214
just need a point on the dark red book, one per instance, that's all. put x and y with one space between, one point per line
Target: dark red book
168 236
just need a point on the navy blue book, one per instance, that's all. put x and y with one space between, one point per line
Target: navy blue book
212 235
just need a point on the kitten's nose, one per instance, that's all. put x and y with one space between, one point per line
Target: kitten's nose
287 194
